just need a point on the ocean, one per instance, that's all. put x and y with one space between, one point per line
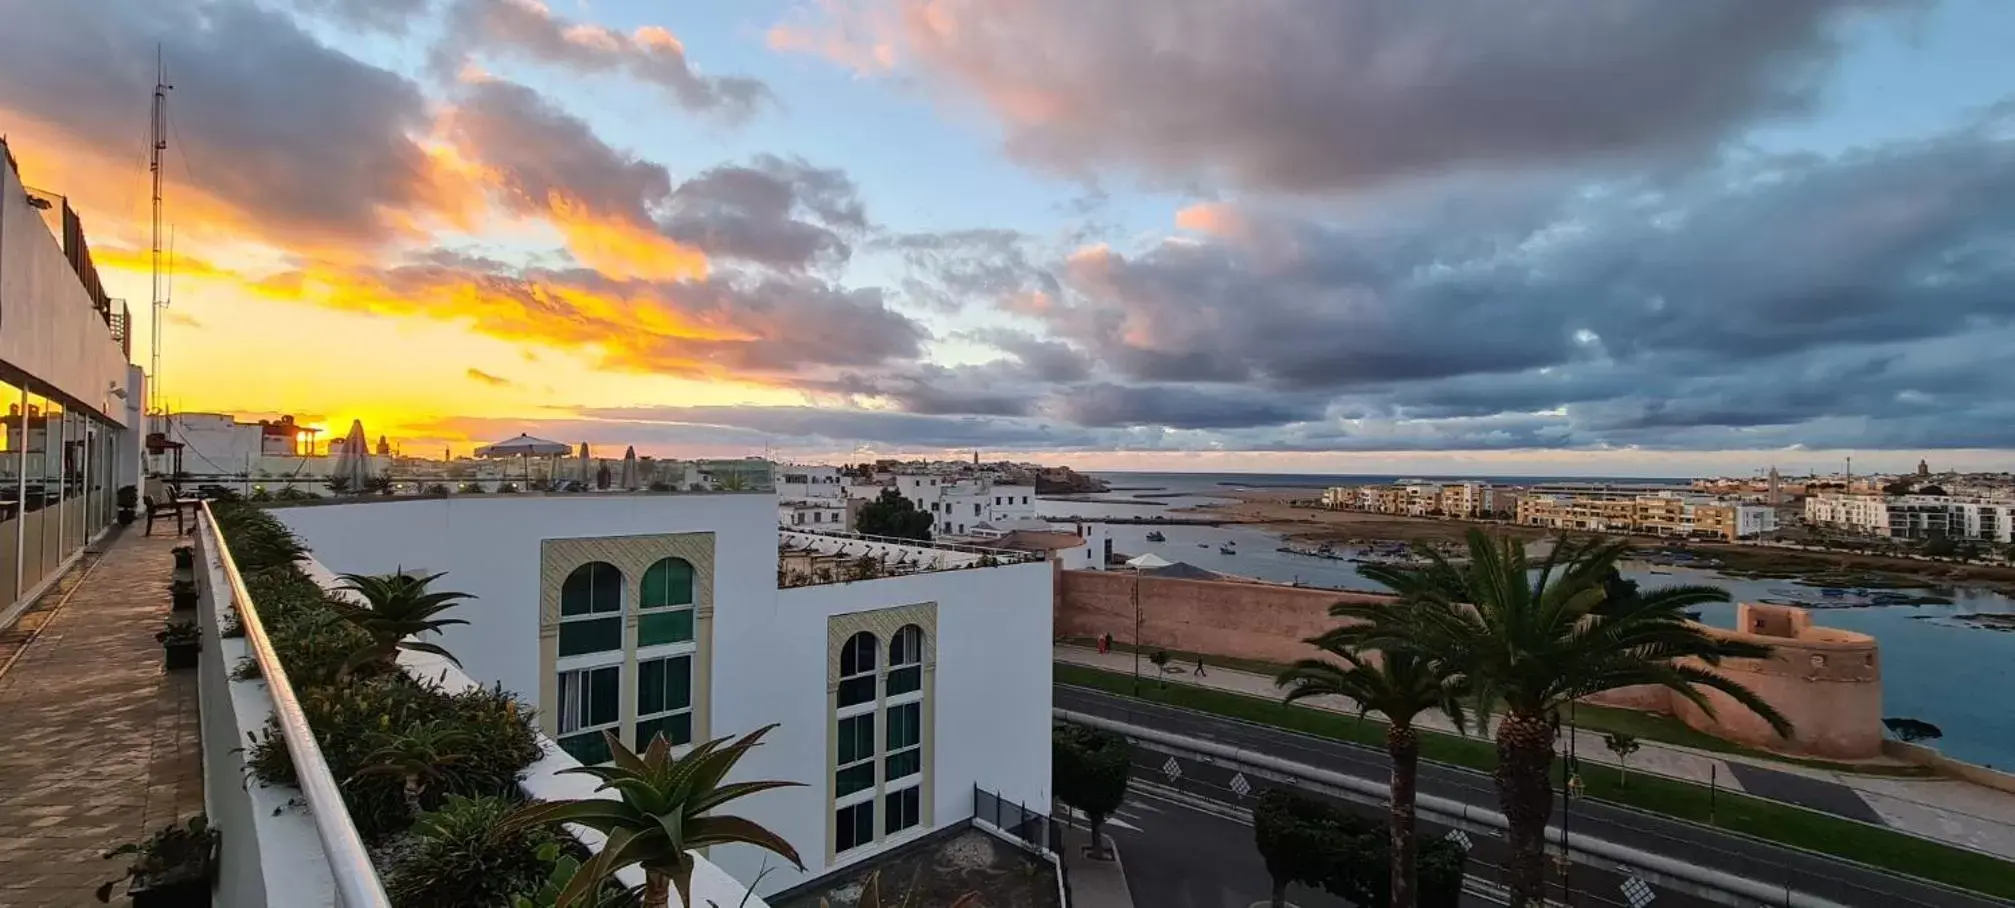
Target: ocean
1934 667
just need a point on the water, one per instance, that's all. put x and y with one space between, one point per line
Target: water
1934 667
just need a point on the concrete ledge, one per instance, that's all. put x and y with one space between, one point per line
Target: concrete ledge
1958 769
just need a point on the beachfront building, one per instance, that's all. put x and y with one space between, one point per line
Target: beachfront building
813 513
1417 498
1914 516
903 676
1646 510
72 400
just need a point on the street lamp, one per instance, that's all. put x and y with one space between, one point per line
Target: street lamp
1136 632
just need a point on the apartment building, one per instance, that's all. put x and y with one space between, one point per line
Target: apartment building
1914 516
898 689
966 507
71 401
1665 512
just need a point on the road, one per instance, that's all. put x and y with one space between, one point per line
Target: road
1179 854
1817 875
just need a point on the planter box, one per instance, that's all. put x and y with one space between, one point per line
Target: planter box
183 887
185 602
182 656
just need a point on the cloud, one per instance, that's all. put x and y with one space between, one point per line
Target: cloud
274 134
391 16
951 270
1316 95
528 30
495 381
730 327
772 211
181 318
1179 407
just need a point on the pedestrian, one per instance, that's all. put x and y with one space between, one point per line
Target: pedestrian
1104 643
1199 666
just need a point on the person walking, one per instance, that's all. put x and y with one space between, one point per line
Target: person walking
1199 666
1104 643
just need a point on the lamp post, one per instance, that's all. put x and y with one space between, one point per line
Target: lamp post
1136 631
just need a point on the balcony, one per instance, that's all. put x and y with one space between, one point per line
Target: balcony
813 558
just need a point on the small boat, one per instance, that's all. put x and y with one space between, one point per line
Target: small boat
1661 572
1226 550
1156 536
1832 592
1203 545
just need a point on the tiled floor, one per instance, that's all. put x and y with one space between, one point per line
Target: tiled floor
98 744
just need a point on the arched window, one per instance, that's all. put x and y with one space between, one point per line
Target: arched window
906 660
857 670
666 603
591 610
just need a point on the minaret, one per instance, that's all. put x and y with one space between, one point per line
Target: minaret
1775 493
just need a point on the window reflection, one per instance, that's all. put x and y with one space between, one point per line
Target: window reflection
12 403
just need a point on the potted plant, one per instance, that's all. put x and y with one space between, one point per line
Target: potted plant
183 592
129 503
180 642
185 559
174 867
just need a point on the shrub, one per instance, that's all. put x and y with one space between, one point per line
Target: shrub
1320 844
462 856
471 488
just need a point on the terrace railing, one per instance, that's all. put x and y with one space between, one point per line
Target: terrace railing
355 879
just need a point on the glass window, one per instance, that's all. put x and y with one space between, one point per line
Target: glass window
906 657
857 669
37 494
75 447
902 809
665 700
592 589
11 402
855 825
590 701
677 729
668 583
905 734
599 635
856 770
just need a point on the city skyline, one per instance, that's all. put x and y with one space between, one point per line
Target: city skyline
1314 242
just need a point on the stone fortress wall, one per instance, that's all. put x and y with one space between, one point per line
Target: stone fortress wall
1828 682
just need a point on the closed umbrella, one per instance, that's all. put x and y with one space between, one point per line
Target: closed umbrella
353 466
629 474
587 466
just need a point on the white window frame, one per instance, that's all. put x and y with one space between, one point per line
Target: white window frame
667 652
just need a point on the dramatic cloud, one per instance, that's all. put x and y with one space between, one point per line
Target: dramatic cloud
527 29
776 212
376 15
1319 95
274 134
1178 407
954 269
762 328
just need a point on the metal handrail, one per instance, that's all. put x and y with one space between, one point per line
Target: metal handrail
350 867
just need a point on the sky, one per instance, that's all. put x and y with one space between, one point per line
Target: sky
1555 237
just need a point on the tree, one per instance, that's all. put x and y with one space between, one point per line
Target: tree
380 485
1931 490
1090 768
1622 746
1323 845
400 607
1292 841
1901 485
1532 643
1911 731
1939 545
664 810
890 514
1398 685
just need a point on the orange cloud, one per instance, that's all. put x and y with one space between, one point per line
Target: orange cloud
858 40
623 249
1215 218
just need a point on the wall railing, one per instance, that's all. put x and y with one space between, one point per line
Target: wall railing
356 880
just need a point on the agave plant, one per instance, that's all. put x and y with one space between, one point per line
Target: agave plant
418 757
401 607
663 811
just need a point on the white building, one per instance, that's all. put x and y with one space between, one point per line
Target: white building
966 507
1915 516
70 401
813 514
688 614
804 482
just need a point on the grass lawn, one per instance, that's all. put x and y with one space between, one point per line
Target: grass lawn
1639 724
1770 820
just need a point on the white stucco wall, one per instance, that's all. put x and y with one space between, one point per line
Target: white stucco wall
991 685
47 326
489 545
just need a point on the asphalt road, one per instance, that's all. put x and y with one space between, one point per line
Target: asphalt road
1179 856
1817 875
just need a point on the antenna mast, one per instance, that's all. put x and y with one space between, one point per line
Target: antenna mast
158 145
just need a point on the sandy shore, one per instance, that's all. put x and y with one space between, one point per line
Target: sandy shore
1271 509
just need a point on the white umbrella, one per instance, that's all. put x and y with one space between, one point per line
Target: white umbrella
629 475
354 464
587 465
522 446
1148 561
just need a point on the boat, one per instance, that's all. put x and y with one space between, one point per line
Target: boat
1226 550
1203 545
1661 572
1832 592
1156 536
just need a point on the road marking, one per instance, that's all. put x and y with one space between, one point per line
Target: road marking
1240 785
1172 769
1460 838
1638 892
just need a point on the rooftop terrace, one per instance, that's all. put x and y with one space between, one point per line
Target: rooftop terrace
811 558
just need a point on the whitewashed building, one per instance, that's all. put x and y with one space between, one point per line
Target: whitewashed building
902 676
967 507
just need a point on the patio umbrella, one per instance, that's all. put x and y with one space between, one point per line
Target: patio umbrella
354 464
587 465
1148 561
523 447
629 474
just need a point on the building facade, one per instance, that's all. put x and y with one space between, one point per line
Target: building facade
966 506
898 685
71 401
1914 516
1613 509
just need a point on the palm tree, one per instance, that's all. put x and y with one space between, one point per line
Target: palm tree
401 606
663 811
417 757
1399 685
1534 642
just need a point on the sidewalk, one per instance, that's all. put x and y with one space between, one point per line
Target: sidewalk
1094 884
1948 810
101 744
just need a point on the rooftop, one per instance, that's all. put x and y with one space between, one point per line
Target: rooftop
812 558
